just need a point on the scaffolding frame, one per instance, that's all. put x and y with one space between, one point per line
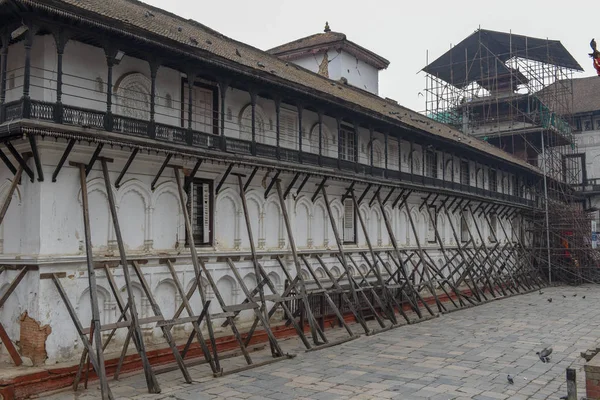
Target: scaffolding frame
523 104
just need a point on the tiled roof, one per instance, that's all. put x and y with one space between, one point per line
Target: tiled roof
325 40
131 17
318 39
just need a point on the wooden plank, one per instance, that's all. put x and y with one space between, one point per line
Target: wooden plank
14 354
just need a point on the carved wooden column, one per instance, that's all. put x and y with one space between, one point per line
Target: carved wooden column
356 148
277 101
300 110
110 63
320 113
253 96
371 145
339 136
61 39
223 86
154 66
191 78
386 139
3 66
26 99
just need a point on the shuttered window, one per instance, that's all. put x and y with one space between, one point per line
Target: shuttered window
200 207
349 222
347 144
465 173
288 126
492 180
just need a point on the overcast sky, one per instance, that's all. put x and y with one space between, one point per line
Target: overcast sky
401 31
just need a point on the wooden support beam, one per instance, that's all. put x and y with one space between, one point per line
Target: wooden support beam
11 192
97 364
319 188
63 158
20 160
160 171
388 196
135 331
223 178
362 196
350 189
291 185
400 197
250 178
36 157
302 184
93 159
275 178
126 167
7 162
301 284
375 196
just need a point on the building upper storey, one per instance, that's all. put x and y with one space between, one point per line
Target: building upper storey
125 67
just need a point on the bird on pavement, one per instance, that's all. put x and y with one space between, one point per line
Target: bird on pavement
550 300
575 295
541 292
544 355
583 297
510 379
593 45
564 297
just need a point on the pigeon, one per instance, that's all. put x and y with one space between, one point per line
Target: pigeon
575 295
564 297
593 45
583 297
564 397
510 379
544 355
550 300
541 292
237 52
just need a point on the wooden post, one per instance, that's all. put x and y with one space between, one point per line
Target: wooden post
92 284
3 68
26 99
195 261
253 97
275 350
154 66
571 384
223 86
151 381
302 285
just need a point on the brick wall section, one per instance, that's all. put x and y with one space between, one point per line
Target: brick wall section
33 339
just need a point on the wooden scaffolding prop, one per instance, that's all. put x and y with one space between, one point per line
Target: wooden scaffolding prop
387 291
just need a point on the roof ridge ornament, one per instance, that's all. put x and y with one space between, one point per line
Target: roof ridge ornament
327 29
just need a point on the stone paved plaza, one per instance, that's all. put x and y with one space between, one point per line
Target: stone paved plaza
461 355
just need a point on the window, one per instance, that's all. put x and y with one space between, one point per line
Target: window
493 227
492 180
349 222
464 229
587 125
465 174
205 106
597 124
288 129
200 206
431 226
347 144
431 164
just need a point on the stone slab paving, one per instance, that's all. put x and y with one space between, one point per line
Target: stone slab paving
462 355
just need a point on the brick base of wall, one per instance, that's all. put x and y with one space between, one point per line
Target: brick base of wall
33 339
592 378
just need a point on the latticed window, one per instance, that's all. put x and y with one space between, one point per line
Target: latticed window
200 207
288 129
349 222
465 173
431 164
347 144
493 180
